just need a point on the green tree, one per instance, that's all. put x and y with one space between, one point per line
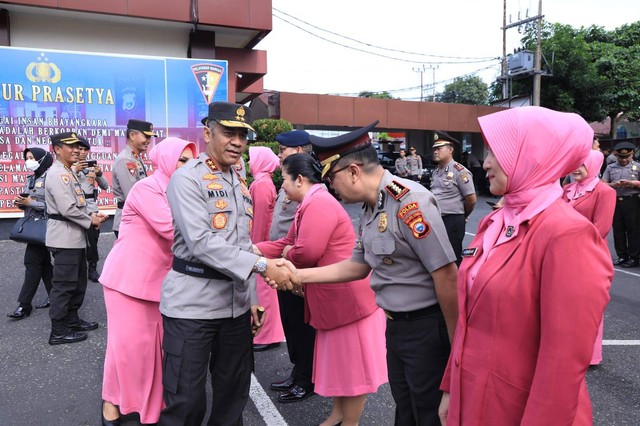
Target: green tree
267 128
596 73
469 90
379 95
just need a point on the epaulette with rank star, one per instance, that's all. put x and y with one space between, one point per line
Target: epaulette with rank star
397 190
459 167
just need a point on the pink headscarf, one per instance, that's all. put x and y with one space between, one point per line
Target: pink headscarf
535 147
165 156
262 161
592 163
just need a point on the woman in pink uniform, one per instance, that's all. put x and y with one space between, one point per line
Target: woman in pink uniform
263 162
597 202
132 279
350 353
533 283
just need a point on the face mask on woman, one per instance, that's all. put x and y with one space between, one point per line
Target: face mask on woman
32 165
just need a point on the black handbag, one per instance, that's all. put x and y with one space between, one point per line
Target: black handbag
31 229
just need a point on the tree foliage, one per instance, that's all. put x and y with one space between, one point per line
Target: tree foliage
267 128
469 90
378 95
595 72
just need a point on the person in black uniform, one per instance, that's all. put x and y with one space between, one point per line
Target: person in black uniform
624 177
300 336
37 260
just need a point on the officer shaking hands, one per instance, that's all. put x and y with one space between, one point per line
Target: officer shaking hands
452 185
69 220
209 299
402 241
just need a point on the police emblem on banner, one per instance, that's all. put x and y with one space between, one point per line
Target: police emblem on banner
208 77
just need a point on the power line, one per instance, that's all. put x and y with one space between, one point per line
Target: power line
480 59
380 54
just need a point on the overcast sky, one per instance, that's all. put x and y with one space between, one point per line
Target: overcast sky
425 34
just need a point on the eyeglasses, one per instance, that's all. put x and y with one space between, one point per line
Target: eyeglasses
331 175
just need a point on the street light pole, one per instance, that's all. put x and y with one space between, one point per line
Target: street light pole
421 71
537 68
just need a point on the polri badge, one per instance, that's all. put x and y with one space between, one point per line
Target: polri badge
382 223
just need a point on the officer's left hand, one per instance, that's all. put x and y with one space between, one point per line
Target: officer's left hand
257 319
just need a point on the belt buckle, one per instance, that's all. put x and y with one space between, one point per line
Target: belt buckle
388 315
620 198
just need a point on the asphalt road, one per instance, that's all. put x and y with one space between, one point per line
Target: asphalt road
61 385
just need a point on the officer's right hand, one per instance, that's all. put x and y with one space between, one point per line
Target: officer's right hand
278 274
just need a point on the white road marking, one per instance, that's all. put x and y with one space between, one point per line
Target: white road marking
263 403
626 272
621 342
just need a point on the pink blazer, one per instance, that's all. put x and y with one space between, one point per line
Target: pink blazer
141 256
263 194
526 328
598 206
324 235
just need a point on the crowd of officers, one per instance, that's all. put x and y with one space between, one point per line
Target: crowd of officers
208 301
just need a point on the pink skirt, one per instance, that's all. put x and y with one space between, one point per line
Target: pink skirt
272 331
351 360
133 363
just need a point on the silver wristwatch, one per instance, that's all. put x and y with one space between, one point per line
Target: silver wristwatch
261 265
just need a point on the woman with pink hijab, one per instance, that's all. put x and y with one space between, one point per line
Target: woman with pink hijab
533 283
263 162
132 279
596 201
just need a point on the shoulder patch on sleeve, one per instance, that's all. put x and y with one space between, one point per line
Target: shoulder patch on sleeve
397 190
65 179
131 167
459 167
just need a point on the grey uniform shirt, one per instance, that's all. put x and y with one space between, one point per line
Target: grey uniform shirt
615 172
401 167
64 196
450 185
37 205
403 240
127 170
89 187
212 217
283 214
414 164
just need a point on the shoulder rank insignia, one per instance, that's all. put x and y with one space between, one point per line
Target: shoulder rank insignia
459 167
211 164
396 189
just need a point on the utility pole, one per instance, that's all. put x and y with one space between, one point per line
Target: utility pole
433 68
421 70
505 85
537 66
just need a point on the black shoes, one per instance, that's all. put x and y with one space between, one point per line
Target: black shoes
265 347
284 385
295 394
631 263
94 275
69 337
21 312
82 325
619 261
44 304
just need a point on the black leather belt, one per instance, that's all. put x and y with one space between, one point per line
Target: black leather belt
58 217
120 204
420 313
200 270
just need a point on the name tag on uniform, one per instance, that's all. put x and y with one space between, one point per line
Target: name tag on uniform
469 252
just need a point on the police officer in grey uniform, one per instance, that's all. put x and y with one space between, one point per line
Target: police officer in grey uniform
299 335
66 239
209 297
37 260
129 167
414 165
624 177
401 164
88 178
452 185
400 239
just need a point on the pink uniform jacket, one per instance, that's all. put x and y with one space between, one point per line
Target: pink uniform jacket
526 328
324 235
598 207
141 256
